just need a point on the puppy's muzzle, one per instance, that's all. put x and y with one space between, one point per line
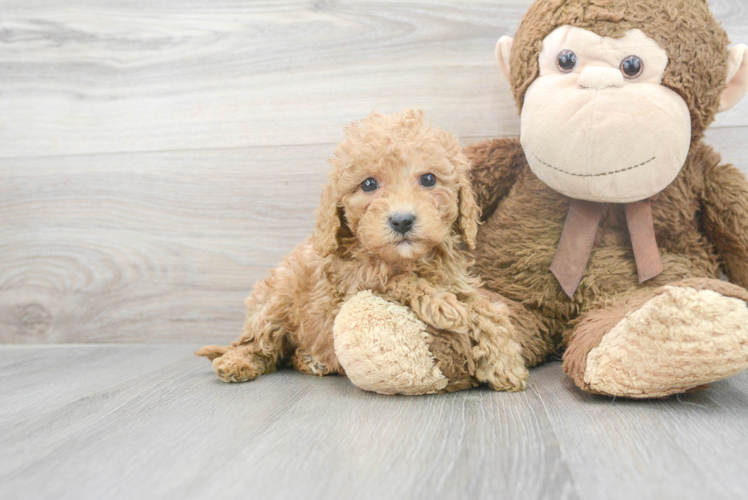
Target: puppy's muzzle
402 222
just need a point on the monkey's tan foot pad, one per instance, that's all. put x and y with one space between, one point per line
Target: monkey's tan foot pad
682 338
384 348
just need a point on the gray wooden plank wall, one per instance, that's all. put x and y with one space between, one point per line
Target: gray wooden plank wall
157 157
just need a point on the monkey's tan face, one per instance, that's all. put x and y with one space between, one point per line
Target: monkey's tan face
597 124
399 208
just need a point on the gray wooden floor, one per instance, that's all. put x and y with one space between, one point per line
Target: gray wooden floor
152 421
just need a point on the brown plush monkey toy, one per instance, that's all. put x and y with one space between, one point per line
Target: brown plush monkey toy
608 222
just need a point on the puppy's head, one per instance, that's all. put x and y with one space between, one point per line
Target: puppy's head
399 187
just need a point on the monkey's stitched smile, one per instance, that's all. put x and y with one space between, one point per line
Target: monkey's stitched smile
594 175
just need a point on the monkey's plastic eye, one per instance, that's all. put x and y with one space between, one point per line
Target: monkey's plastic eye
566 61
632 66
428 180
369 185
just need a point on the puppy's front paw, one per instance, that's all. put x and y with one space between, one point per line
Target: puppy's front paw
236 365
507 372
443 310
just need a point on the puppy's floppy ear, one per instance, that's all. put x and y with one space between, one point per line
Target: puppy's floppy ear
469 212
469 215
327 230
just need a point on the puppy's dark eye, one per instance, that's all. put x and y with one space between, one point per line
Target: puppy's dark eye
428 180
632 66
566 61
369 185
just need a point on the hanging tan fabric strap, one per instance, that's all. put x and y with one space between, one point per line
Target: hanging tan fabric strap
575 245
641 230
578 236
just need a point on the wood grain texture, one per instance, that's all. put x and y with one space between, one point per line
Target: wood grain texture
158 158
93 77
148 421
239 74
159 246
173 430
43 379
689 446
150 246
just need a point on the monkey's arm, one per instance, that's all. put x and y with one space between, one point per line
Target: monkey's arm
495 166
725 200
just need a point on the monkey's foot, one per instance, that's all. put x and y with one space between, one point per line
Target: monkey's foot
384 348
687 335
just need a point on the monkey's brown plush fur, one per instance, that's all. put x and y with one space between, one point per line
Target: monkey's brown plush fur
701 226
701 216
457 337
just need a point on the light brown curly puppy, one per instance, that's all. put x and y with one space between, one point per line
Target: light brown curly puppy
393 217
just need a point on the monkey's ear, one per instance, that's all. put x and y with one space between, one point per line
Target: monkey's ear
503 54
328 223
737 77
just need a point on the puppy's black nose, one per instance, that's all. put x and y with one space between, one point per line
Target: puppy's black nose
402 222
